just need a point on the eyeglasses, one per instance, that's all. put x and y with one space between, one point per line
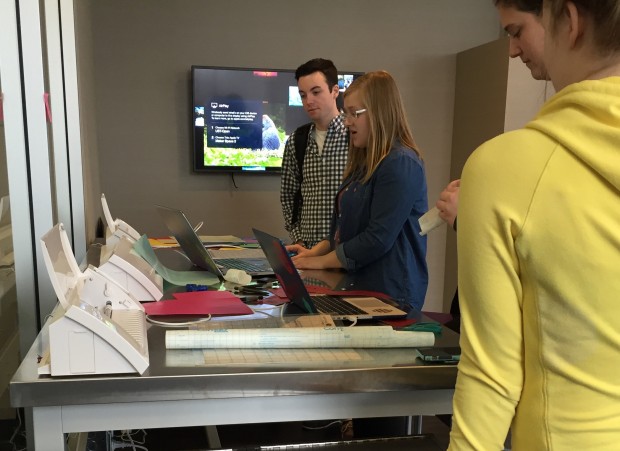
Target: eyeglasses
354 115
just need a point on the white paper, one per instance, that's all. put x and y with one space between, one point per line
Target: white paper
429 221
238 276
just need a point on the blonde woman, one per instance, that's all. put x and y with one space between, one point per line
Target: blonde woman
375 230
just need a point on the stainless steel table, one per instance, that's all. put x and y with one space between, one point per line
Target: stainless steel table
390 382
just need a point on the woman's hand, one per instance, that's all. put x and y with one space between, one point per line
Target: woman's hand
302 262
296 249
329 278
327 261
300 251
448 202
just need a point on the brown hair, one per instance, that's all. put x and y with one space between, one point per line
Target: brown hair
526 6
325 66
605 15
387 119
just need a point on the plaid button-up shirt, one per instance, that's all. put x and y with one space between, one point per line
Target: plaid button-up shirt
322 175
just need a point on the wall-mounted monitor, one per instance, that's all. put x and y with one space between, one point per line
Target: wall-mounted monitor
242 117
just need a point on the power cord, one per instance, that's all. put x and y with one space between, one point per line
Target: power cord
282 311
175 324
309 425
183 254
198 226
126 440
352 319
19 431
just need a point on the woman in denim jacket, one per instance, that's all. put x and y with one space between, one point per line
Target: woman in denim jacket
375 231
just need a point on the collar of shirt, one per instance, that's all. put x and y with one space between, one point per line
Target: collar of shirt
336 125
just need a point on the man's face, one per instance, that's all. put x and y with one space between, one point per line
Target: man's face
318 101
527 38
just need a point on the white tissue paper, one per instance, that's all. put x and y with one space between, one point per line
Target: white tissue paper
429 221
238 276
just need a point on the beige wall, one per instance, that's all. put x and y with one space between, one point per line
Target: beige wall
139 63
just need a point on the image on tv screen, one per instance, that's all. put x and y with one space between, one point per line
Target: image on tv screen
243 117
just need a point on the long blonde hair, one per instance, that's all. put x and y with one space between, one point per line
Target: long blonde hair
380 96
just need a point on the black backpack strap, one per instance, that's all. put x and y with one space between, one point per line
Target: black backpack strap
301 142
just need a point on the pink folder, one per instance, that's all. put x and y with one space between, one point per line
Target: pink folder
199 303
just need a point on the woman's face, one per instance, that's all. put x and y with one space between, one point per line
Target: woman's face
356 120
527 36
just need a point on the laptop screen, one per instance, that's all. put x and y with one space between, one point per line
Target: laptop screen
285 271
182 230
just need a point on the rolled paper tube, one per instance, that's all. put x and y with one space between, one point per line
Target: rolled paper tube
238 276
302 337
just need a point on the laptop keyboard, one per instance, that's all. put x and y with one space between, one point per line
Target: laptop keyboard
245 265
331 305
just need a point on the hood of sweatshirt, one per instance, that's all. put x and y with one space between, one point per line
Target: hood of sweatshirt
585 119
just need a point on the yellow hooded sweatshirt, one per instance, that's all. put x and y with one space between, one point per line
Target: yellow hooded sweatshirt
539 280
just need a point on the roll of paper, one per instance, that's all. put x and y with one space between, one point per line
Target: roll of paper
302 337
238 276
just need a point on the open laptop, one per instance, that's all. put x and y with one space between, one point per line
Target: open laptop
339 307
190 242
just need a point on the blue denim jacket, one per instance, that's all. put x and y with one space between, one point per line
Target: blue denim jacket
379 233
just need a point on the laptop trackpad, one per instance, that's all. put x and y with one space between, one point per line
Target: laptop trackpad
366 303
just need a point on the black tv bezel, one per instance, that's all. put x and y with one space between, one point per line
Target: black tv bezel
197 159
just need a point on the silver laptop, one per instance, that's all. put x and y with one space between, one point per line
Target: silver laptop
339 307
190 242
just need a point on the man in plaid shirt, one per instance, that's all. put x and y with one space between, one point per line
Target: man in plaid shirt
324 159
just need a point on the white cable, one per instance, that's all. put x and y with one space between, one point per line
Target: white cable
130 435
325 426
173 324
198 226
282 311
17 428
126 440
258 309
183 254
353 320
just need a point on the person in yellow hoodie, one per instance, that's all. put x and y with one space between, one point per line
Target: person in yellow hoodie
539 256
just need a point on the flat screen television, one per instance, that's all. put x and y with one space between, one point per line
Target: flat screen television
242 117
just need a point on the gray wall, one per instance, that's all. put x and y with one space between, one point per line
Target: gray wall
140 57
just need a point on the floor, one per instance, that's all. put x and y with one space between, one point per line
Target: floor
242 437
232 436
